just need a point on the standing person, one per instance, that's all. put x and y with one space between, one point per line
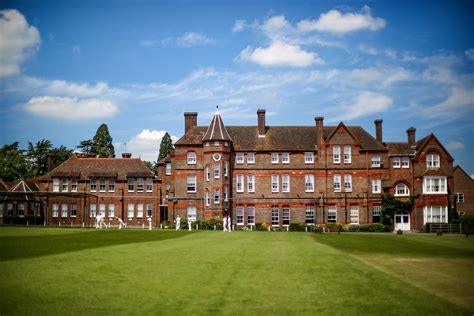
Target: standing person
229 222
178 223
190 222
224 223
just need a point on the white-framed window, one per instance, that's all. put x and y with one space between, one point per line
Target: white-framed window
226 168
167 187
309 183
131 210
217 196
354 214
376 186
208 199
55 184
149 184
275 216
348 183
149 210
401 189
250 183
251 215
405 162
376 213
347 155
191 213
64 210
21 209
139 184
101 184
336 154
308 157
65 186
73 210
139 210
310 215
111 210
239 157
337 183
73 184
434 185
459 197
191 158
275 184
286 213
285 158
285 183
92 210
191 184
217 170
274 158
102 209
226 193
54 210
216 143
131 184
168 169
332 214
10 210
111 184
207 172
432 161
240 215
250 158
93 184
239 179
375 161
435 214
396 162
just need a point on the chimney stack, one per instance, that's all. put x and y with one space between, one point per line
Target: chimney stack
190 120
320 130
411 136
126 155
261 122
378 130
50 162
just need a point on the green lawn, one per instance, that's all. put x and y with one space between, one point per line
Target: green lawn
84 271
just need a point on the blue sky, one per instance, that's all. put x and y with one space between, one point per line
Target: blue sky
68 66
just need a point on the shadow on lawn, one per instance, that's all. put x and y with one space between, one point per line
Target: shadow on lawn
19 247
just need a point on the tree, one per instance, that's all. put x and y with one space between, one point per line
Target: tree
150 165
13 163
60 154
37 154
166 146
390 205
86 147
102 143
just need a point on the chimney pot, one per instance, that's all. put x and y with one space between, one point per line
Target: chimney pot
261 122
411 133
190 120
126 155
378 130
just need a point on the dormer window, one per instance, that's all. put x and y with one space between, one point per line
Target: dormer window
239 157
274 158
285 158
396 162
191 158
405 162
250 158
375 161
308 157
432 161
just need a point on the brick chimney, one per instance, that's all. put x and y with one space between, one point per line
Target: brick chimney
126 155
411 136
320 130
378 130
50 162
190 120
261 122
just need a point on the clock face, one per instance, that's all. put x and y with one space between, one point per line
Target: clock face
216 157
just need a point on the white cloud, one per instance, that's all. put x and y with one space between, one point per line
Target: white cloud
470 53
455 145
366 103
459 103
71 108
280 54
239 26
61 87
339 23
380 74
18 41
192 39
368 50
145 144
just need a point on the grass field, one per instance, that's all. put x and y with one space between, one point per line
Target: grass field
47 271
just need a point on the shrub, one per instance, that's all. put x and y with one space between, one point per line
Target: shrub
262 226
334 227
467 224
353 228
372 228
296 227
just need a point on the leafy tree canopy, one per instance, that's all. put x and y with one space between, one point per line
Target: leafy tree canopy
13 163
150 165
102 143
37 154
166 146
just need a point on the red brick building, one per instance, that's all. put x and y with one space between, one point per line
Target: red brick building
305 174
464 192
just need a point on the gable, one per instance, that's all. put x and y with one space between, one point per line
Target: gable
342 135
431 144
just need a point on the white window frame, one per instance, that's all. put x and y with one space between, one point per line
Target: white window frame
111 210
74 184
226 168
217 196
207 173
139 184
217 170
191 184
274 158
459 197
376 185
377 212
336 154
432 161
225 193
375 162
64 185
347 183
21 209
285 158
337 183
400 192
332 214
54 209
168 169
251 215
275 216
191 158
308 157
275 183
435 214
208 199
191 213
102 184
405 162
102 209
55 184
64 210
354 215
396 162
111 184
239 180
131 210
285 216
73 210
309 182
250 158
93 184
239 158
347 154
239 215
285 183
310 215
131 184
149 184
93 210
140 210
250 183
429 184
149 210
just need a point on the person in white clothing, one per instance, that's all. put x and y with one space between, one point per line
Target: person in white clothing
190 222
229 223
224 223
178 222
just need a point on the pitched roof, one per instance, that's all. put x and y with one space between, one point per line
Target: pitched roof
425 140
3 186
458 167
291 138
399 148
217 130
83 168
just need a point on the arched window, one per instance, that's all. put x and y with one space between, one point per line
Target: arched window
402 190
432 161
191 158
